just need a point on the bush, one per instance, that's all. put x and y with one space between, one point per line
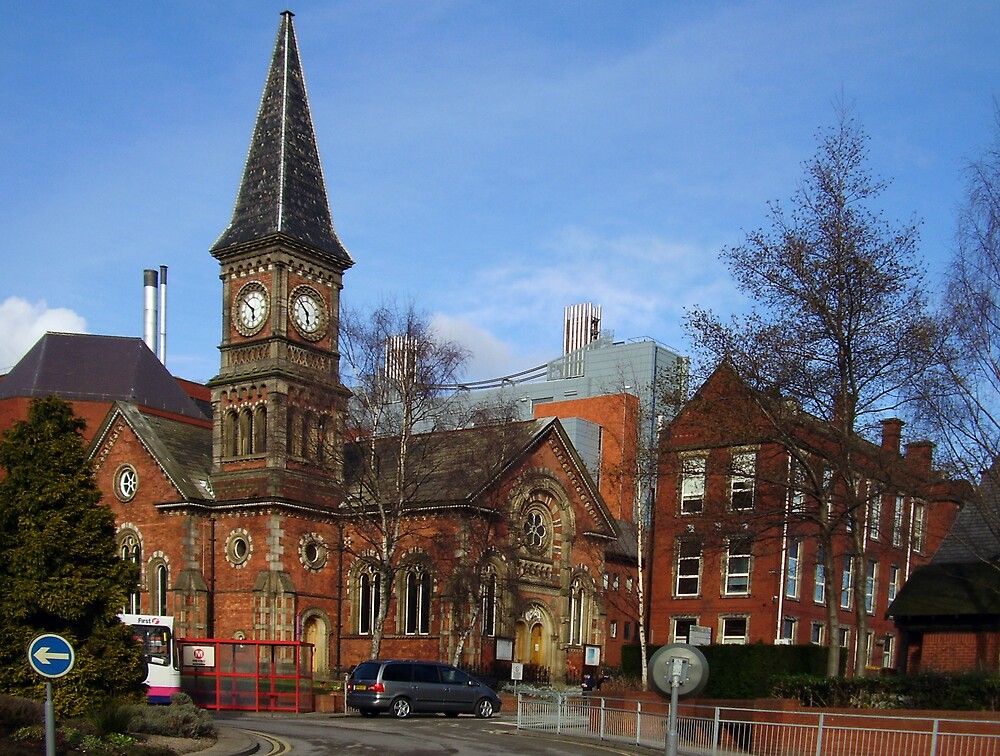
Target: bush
180 719
973 692
113 717
20 712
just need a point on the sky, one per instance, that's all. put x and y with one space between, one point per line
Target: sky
490 162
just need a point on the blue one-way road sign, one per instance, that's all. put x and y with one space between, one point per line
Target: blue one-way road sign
51 655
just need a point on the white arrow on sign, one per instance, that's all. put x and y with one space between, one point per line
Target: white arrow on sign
43 655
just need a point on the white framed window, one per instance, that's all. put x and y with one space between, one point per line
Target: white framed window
894 575
577 612
418 602
793 569
688 582
692 485
819 578
869 647
628 583
741 482
162 589
490 589
919 526
875 514
789 629
682 629
889 651
738 566
735 630
844 637
847 583
614 582
797 494
817 633
897 522
369 583
613 628
871 583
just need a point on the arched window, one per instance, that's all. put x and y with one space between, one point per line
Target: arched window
577 612
321 440
130 550
260 429
368 599
309 435
245 432
160 589
489 611
418 602
295 432
230 433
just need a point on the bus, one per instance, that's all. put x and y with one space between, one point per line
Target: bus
163 664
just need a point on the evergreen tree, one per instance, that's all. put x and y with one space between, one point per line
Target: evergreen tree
59 572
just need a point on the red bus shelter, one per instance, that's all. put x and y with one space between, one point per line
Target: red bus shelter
245 675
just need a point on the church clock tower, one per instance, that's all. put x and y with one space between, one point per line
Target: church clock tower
278 401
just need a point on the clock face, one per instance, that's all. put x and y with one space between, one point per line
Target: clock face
251 308
308 312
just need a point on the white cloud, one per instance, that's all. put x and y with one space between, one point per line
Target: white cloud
23 323
491 357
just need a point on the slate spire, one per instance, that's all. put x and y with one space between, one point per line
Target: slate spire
283 191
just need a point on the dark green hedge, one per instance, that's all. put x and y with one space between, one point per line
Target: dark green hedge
936 692
744 671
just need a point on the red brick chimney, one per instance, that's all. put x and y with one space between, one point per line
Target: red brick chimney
921 454
892 432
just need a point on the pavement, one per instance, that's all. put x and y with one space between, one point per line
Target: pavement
231 742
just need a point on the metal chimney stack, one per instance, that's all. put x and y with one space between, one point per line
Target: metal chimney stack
154 312
149 288
161 350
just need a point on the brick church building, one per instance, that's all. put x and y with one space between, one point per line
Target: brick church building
228 496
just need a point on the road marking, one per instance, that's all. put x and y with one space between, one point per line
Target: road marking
278 746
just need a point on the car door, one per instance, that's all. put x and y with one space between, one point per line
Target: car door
428 692
460 692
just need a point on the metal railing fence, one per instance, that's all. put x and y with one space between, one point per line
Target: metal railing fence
722 731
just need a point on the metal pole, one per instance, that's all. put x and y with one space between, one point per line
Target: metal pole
50 722
678 675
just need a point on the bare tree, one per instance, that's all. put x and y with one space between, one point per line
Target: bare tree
838 325
394 364
960 398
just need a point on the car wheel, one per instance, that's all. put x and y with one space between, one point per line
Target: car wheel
401 708
484 708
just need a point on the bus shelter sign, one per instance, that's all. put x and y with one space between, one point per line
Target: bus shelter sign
198 656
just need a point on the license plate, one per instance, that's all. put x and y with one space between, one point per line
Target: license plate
360 687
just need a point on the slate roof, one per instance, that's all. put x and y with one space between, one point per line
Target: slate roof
283 191
183 449
457 466
963 578
88 368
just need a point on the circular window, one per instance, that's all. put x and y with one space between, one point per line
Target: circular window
535 530
238 548
126 482
313 551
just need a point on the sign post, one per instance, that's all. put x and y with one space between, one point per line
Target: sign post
51 656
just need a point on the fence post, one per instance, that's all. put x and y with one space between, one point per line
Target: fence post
603 710
819 736
716 726
934 737
638 722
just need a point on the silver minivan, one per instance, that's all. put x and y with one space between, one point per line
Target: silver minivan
405 686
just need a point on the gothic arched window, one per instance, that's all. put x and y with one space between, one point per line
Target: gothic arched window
368 600
418 602
260 429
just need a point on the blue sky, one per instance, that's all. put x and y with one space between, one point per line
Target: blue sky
492 162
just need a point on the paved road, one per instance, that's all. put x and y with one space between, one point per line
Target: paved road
323 734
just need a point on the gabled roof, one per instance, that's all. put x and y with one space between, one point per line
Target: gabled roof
182 449
457 467
283 191
87 368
